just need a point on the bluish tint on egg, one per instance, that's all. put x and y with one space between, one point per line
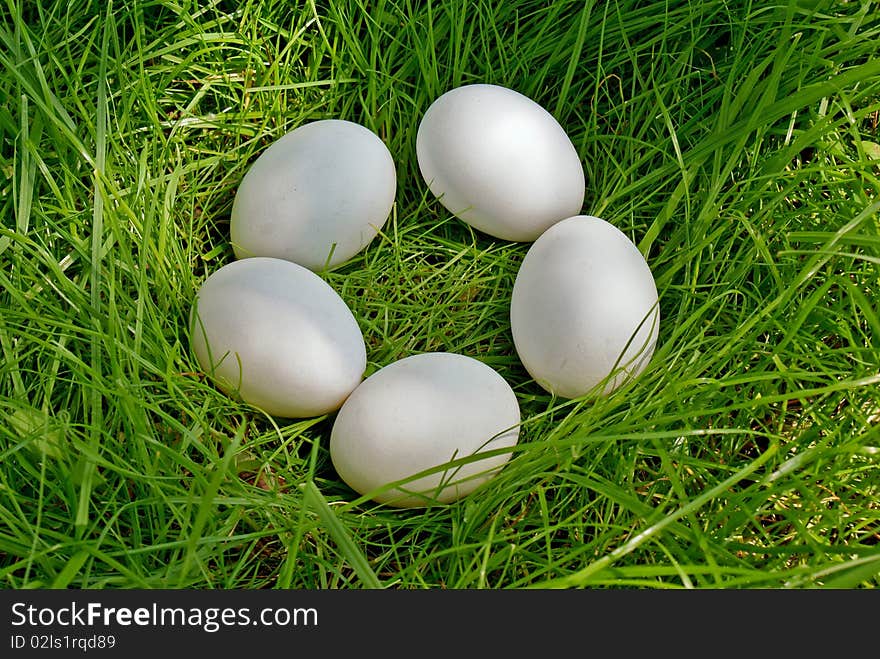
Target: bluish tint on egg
584 309
317 196
419 413
499 161
276 335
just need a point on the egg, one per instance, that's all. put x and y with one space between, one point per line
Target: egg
584 310
419 413
499 161
317 196
279 337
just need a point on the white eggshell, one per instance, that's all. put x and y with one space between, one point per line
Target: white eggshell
418 413
278 336
499 161
317 196
584 305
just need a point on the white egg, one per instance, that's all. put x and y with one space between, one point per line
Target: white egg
584 308
317 196
418 413
499 161
278 336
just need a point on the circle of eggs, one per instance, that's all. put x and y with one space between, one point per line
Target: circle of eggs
499 161
317 196
278 336
584 310
419 413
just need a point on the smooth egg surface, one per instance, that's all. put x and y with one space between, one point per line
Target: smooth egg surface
276 335
584 309
317 196
418 413
499 161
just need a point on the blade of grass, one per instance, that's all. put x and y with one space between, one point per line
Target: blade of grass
347 548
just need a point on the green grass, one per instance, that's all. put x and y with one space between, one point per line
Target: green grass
734 142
